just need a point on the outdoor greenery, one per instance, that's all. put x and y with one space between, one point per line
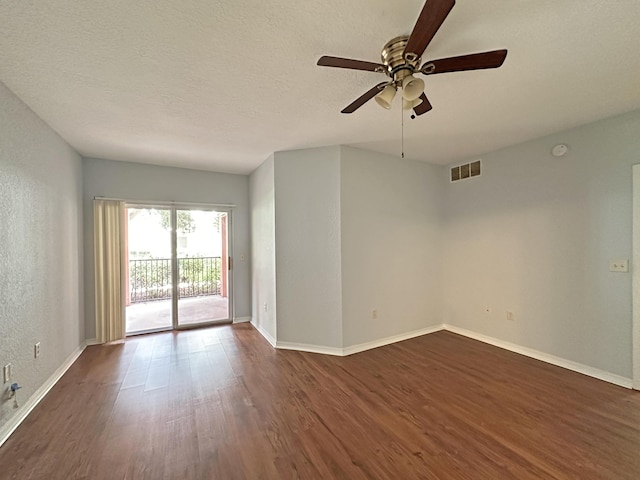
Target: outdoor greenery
192 270
185 222
151 279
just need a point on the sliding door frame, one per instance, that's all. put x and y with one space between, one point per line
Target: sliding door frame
175 266
635 278
173 207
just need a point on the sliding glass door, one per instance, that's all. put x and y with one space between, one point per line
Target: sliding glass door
178 273
202 266
148 288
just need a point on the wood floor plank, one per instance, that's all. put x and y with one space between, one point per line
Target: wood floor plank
221 403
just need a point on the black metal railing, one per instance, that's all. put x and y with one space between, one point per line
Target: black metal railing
150 279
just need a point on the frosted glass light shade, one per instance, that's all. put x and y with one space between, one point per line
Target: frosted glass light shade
385 97
406 105
412 87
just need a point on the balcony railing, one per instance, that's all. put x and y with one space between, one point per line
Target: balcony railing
151 279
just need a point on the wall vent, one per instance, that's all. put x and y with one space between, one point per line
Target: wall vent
467 170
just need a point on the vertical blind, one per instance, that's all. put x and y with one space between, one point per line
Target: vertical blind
109 244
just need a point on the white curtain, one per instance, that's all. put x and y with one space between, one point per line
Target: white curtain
109 246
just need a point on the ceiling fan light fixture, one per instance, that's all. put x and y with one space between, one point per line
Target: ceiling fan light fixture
385 98
401 58
412 88
407 105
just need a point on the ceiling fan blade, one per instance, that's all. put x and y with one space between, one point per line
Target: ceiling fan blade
423 107
350 63
474 61
432 16
361 100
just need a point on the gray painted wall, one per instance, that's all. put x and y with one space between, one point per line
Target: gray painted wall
349 231
132 181
307 213
41 288
391 245
535 234
263 248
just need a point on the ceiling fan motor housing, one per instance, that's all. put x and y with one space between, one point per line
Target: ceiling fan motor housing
393 58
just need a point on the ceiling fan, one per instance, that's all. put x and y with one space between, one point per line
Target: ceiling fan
401 60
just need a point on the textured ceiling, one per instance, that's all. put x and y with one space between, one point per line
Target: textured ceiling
219 85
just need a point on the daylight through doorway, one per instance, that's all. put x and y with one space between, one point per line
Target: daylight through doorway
202 267
177 272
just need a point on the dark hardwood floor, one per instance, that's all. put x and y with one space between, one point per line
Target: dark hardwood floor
220 403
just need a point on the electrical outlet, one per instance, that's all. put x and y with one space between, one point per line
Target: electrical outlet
7 373
265 306
510 316
619 266
36 350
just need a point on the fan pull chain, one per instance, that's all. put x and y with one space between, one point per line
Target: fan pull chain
402 124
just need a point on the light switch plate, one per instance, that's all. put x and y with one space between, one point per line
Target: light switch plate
619 265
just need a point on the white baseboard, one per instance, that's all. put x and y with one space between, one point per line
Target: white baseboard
264 333
22 412
92 341
545 357
528 352
241 319
342 352
389 340
303 347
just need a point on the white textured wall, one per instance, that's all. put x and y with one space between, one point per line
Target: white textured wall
133 181
307 206
391 245
534 234
263 248
40 248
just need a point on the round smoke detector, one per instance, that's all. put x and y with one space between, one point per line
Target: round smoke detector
559 150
